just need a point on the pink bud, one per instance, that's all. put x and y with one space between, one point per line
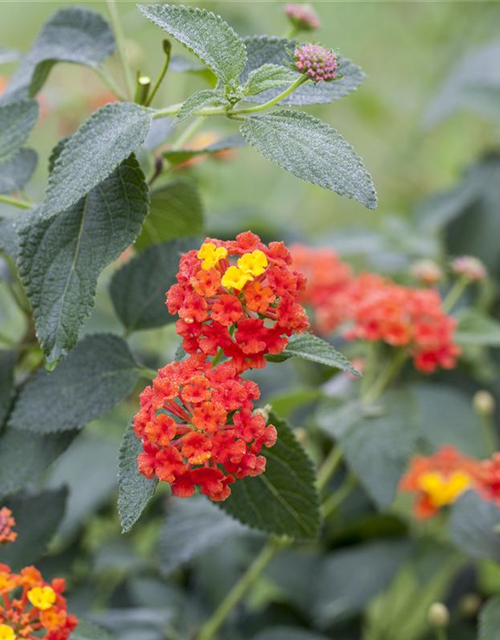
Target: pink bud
469 267
302 16
318 63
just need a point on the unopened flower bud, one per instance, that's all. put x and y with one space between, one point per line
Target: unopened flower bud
470 605
302 17
301 435
427 272
469 267
484 403
316 62
438 615
263 411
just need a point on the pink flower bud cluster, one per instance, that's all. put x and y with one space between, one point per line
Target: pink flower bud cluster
315 61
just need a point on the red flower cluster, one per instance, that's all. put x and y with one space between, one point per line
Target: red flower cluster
7 522
32 608
489 478
240 297
198 428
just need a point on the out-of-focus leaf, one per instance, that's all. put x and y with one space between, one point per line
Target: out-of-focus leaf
178 156
476 328
89 631
489 620
8 55
473 526
288 633
15 172
7 364
16 122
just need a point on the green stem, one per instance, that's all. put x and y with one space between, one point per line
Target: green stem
187 133
217 358
454 294
110 83
147 373
213 624
6 340
329 467
120 46
490 435
167 49
16 202
332 503
441 634
292 33
142 89
392 368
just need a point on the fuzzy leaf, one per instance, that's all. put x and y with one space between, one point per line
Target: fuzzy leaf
312 151
98 374
8 55
72 34
16 122
15 172
175 211
476 328
89 631
269 76
89 156
473 526
134 490
263 50
193 527
205 34
284 499
68 252
139 298
178 156
489 620
200 99
34 534
7 364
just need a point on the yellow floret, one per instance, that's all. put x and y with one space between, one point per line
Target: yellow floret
210 254
254 263
6 632
42 597
444 490
235 278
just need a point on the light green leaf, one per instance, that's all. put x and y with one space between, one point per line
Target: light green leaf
98 374
34 534
16 122
175 211
89 631
89 156
312 151
288 633
134 490
489 620
284 499
263 50
476 328
205 34
68 252
139 298
269 76
200 99
473 526
178 156
72 34
15 172
8 55
7 364
193 527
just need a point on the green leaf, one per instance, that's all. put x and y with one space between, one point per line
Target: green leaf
178 156
473 526
89 156
8 55
25 456
269 76
16 122
263 50
73 34
312 151
476 328
89 631
15 172
489 620
134 490
9 239
283 500
288 633
200 99
98 374
207 35
309 347
193 527
138 288
175 211
34 534
7 363
71 249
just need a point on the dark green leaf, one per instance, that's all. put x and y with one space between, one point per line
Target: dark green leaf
7 364
191 528
15 172
269 76
312 151
16 122
89 631
175 211
205 34
89 156
134 490
473 526
60 258
200 99
476 328
98 374
271 50
138 297
284 499
288 633
178 156
34 533
489 620
72 34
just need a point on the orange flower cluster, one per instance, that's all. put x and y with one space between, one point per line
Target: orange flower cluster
7 523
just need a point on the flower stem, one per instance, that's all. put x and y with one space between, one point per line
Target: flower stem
167 49
187 133
490 436
270 103
454 294
120 46
16 202
110 83
392 368
337 497
329 467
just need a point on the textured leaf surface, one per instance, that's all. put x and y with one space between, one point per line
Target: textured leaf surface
34 533
98 374
312 151
284 499
205 34
60 258
88 157
89 631
489 620
7 364
476 328
134 490
175 211
178 156
269 76
15 172
73 34
191 528
271 50
474 526
309 347
200 99
288 633
16 122
24 456
138 288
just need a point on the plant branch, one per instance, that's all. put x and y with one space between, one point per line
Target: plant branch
167 49
337 497
329 466
121 46
454 294
392 368
16 202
